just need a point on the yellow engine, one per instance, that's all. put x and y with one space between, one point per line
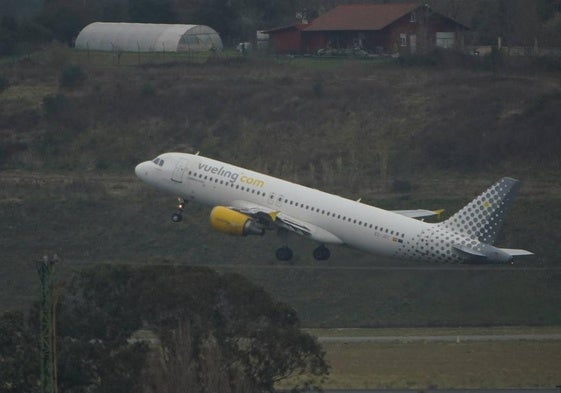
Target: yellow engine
234 223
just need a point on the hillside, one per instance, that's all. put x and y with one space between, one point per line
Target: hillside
399 137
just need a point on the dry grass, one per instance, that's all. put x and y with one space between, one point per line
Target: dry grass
421 365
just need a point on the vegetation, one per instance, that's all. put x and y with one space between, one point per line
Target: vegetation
72 76
210 333
441 365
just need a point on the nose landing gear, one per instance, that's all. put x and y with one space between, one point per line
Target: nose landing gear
178 215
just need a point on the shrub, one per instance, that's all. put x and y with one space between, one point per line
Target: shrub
72 76
148 89
318 88
402 186
3 84
53 104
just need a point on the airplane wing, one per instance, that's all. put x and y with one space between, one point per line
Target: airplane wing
419 213
271 219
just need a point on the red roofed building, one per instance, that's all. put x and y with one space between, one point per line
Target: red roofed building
379 28
287 39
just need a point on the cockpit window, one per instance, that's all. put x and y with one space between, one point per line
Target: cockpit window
158 161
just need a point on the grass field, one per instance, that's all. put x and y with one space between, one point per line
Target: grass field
444 365
423 365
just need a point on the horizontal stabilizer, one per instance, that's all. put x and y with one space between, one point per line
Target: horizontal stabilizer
470 252
419 213
489 254
516 253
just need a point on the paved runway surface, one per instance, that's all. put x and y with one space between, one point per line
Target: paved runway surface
514 390
448 338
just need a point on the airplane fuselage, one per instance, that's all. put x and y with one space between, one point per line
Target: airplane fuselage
324 217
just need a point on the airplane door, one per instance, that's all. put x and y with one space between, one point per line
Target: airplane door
177 174
275 199
279 199
272 198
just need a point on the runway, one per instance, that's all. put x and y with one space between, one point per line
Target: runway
513 390
447 338
489 268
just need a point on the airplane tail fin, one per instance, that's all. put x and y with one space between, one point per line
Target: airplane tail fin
483 217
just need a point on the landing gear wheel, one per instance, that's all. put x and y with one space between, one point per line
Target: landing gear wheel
284 254
178 215
322 253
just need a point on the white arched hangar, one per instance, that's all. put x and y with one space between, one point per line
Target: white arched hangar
147 37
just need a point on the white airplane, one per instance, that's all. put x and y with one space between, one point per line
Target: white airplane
250 203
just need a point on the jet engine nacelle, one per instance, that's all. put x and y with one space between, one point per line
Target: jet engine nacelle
234 223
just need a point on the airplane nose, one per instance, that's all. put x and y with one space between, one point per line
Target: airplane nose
141 170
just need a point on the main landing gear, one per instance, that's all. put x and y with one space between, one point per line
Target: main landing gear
178 215
284 253
321 253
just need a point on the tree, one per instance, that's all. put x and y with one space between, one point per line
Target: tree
551 31
152 11
238 20
64 18
19 368
8 35
215 332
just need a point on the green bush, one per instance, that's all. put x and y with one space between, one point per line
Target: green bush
53 104
3 84
148 89
72 76
318 88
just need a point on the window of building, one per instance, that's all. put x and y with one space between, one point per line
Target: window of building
413 17
403 39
